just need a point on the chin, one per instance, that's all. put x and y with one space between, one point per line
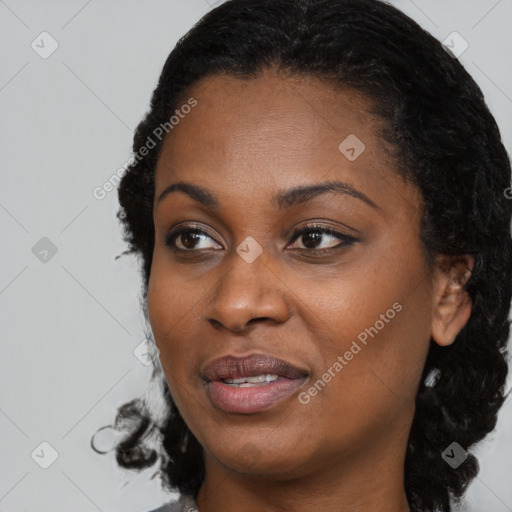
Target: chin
262 458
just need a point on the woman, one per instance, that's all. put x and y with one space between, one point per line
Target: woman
318 199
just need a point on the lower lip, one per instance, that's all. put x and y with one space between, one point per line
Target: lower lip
251 399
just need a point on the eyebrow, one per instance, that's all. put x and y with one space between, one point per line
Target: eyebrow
282 200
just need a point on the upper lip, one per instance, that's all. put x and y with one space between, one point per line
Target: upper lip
232 367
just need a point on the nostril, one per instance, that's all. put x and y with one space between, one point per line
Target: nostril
237 329
259 319
215 323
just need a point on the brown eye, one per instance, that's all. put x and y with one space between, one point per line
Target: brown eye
189 239
321 238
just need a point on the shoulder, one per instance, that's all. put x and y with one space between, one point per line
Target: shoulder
184 504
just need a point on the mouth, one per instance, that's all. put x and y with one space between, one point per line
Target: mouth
251 384
248 382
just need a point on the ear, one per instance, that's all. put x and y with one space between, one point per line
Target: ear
451 302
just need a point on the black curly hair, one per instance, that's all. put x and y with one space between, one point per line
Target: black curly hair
447 143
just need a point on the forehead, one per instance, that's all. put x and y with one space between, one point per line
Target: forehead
276 128
296 112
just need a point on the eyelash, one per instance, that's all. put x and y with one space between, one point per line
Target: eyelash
345 240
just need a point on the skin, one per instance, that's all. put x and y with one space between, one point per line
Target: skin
246 141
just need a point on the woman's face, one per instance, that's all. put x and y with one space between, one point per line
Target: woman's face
348 304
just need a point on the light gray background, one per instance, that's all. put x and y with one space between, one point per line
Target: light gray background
69 325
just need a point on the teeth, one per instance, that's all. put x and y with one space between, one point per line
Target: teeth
256 379
234 381
246 382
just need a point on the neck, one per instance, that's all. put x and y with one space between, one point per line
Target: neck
371 479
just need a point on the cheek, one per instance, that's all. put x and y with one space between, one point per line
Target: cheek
378 322
378 302
368 340
172 310
170 322
169 298
375 382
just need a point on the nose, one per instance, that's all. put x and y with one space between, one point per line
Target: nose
247 293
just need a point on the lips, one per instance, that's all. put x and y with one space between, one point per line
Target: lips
231 367
251 384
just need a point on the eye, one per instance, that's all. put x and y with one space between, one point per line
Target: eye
320 238
188 238
311 238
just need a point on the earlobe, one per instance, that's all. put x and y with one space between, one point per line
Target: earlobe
452 304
